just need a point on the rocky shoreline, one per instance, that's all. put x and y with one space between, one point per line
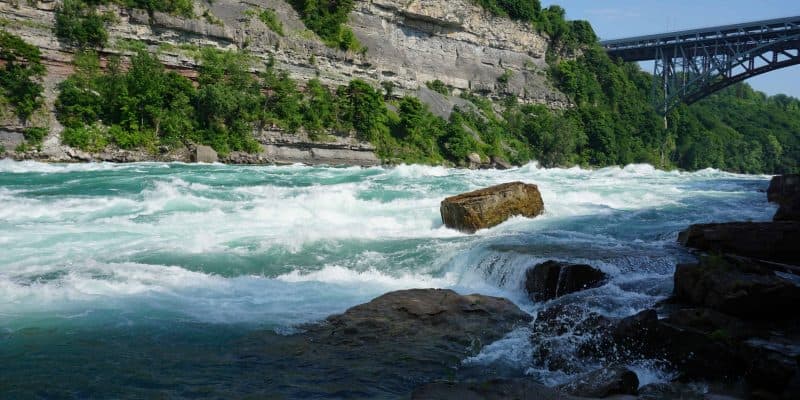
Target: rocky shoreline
730 330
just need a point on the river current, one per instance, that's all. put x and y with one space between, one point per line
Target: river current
138 280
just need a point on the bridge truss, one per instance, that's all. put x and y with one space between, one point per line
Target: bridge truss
690 65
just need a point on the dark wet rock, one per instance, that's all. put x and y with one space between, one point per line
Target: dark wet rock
695 354
785 191
499 389
204 154
738 287
564 336
399 341
492 206
769 371
553 279
677 391
698 354
783 187
711 322
432 317
602 383
773 241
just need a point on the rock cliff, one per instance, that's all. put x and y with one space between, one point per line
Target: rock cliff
408 43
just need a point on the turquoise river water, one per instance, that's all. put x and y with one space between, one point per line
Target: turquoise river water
137 281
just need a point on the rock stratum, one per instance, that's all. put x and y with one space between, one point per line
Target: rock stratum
408 43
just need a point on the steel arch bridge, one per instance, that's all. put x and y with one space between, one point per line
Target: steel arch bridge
692 64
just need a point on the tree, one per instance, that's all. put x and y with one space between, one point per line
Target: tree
20 74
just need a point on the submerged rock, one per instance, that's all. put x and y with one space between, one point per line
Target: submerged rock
498 389
773 241
492 206
602 383
736 287
785 191
553 279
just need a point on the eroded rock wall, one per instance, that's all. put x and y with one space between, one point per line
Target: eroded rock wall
407 43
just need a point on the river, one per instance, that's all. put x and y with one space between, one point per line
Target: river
138 280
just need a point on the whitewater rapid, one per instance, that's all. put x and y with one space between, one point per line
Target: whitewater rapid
87 245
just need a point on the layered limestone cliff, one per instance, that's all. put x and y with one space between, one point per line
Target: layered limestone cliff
407 43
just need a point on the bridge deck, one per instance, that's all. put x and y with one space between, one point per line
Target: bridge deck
640 48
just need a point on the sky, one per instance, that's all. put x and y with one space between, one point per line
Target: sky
613 19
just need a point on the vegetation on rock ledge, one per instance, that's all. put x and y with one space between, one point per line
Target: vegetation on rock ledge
20 74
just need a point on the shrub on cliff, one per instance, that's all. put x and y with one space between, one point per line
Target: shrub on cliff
142 102
20 74
79 24
327 19
525 10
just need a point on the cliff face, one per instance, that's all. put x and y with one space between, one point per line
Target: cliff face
408 43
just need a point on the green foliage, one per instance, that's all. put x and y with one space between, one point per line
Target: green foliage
439 87
525 10
327 19
227 101
363 108
34 135
738 129
19 75
87 138
271 20
141 104
565 34
79 24
177 7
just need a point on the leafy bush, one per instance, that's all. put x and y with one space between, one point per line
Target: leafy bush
271 20
525 10
19 75
79 24
438 86
87 138
34 135
177 7
327 19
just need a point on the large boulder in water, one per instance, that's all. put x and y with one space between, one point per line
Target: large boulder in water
492 206
736 286
396 342
773 241
554 279
785 191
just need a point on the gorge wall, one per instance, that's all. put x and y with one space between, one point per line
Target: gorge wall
407 43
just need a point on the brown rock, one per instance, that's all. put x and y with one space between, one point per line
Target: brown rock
553 279
773 241
492 206
204 154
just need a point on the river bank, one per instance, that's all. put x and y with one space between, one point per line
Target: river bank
190 280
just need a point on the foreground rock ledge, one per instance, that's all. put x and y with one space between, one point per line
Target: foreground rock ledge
772 241
485 208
